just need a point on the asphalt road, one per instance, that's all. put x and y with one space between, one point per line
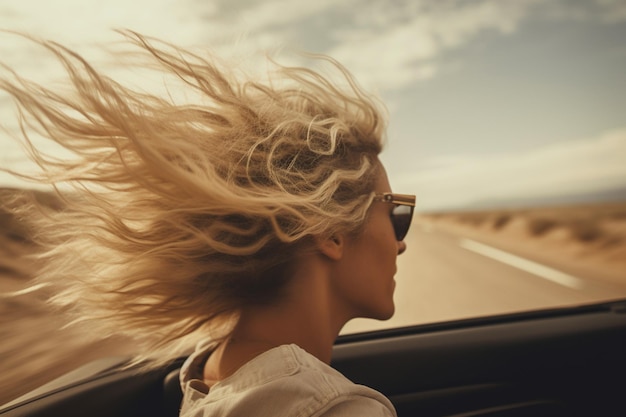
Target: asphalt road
445 277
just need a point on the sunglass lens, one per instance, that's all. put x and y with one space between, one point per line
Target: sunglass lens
401 219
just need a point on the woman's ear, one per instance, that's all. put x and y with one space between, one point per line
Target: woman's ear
331 246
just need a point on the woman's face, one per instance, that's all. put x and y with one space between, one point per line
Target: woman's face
366 282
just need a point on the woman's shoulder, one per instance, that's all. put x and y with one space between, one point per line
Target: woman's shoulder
287 381
332 394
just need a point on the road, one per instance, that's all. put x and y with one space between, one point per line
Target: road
443 276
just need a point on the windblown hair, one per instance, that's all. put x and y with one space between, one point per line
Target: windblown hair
180 214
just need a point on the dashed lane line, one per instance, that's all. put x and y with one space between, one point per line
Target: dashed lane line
534 268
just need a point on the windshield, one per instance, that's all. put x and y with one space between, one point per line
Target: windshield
506 121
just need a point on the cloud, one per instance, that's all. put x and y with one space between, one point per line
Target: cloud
88 21
604 11
388 48
572 167
87 25
408 46
265 15
395 47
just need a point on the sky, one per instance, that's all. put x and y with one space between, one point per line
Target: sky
487 99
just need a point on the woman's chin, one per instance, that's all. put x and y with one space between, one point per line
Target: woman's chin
384 313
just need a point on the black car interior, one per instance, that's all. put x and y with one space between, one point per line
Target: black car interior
561 362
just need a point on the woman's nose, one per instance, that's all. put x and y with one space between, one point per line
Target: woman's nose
401 247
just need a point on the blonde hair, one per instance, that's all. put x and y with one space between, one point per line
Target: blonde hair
180 214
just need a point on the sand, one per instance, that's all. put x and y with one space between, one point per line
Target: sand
590 238
35 348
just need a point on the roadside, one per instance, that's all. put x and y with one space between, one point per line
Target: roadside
588 239
35 347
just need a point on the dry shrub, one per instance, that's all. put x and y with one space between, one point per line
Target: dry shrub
11 228
474 219
434 216
502 220
539 226
15 243
15 234
586 230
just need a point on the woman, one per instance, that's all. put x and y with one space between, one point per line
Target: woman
255 216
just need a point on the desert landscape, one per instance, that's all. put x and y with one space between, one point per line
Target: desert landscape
36 348
591 237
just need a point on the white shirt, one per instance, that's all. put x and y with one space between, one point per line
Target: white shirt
284 381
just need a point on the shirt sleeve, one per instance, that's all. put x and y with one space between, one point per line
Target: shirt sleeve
358 406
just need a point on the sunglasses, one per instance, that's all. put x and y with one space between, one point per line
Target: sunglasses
402 213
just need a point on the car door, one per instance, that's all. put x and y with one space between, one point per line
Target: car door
560 362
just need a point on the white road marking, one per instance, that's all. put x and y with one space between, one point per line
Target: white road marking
523 264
